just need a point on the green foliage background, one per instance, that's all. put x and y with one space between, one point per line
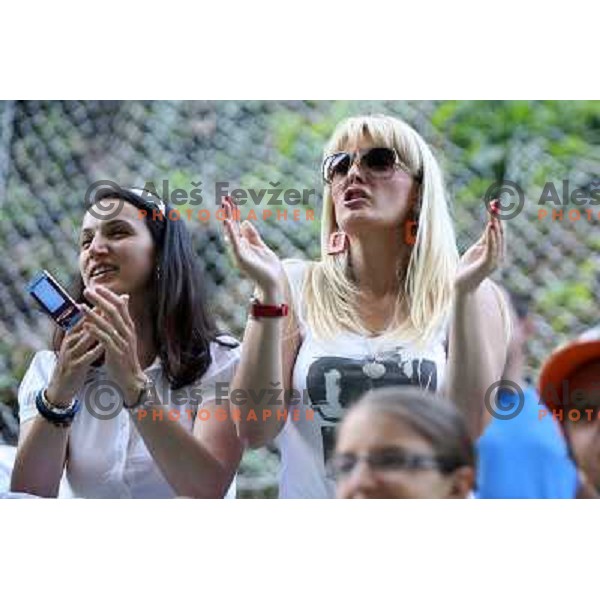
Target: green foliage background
51 151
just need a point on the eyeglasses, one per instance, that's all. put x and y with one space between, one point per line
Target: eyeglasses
379 163
388 460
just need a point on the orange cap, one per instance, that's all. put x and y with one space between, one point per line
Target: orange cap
561 365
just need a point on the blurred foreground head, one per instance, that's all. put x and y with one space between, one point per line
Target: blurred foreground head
403 443
570 388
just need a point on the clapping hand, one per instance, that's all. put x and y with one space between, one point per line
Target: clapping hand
110 323
483 257
252 256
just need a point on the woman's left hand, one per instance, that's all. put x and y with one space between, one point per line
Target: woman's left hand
111 324
482 258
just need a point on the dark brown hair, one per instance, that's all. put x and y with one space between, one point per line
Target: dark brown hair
183 325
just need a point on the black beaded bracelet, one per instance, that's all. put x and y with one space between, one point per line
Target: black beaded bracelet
60 417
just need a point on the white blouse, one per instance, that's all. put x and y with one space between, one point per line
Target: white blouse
107 457
7 458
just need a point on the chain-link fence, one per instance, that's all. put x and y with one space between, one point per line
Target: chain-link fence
50 152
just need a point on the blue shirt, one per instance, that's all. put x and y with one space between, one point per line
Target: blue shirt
525 456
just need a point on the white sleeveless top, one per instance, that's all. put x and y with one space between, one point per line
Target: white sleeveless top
328 376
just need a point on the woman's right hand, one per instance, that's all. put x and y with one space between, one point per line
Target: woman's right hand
253 257
77 352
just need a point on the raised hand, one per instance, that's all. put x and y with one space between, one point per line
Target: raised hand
110 323
77 352
253 257
483 257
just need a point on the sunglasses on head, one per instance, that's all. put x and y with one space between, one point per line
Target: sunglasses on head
149 197
375 162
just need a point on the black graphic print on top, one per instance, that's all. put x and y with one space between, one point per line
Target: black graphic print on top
333 384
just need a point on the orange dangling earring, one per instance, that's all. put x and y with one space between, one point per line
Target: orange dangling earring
338 243
410 232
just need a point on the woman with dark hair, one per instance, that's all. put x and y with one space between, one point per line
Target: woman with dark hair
118 401
403 443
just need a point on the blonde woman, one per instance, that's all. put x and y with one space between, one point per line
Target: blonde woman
389 303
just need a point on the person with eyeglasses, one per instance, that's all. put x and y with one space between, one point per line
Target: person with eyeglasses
116 403
389 302
403 443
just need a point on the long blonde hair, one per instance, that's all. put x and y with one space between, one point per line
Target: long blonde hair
423 305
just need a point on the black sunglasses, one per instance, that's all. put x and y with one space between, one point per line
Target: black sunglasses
375 162
388 460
